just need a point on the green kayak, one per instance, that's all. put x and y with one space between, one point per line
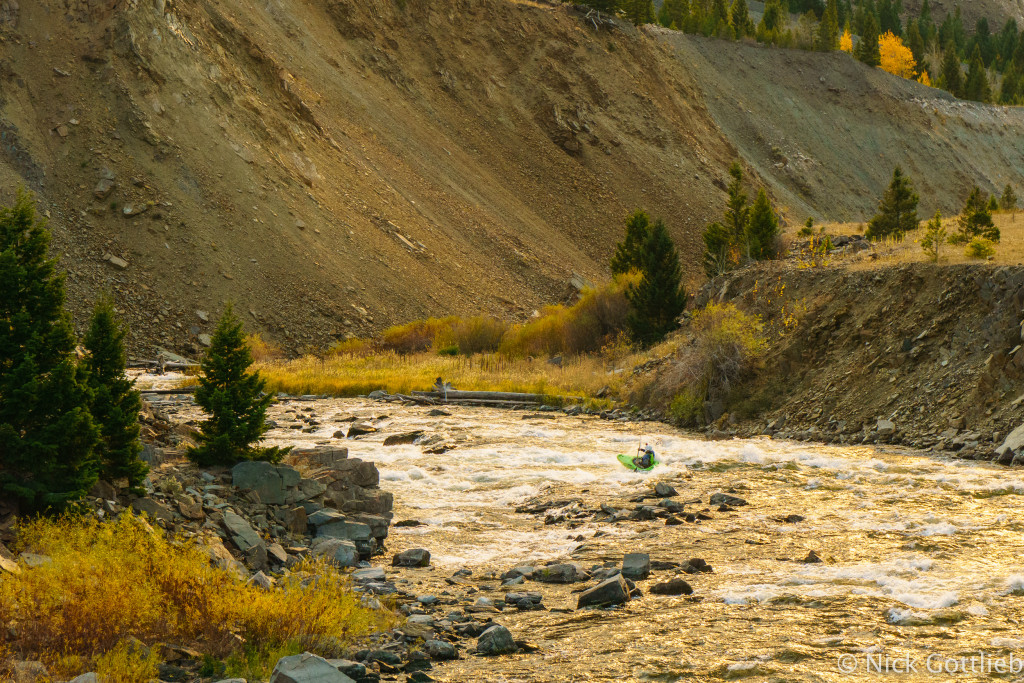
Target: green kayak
627 462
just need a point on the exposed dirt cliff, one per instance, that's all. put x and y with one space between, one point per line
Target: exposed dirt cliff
334 167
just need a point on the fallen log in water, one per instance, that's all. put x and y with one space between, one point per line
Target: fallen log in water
490 397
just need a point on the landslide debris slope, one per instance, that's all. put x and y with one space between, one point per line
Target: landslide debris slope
333 167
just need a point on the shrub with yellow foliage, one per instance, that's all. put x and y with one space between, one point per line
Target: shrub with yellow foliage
896 58
846 42
111 590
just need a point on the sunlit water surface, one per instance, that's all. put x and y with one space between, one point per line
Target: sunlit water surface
922 557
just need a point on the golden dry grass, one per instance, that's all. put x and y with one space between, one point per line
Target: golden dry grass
353 375
1009 250
110 583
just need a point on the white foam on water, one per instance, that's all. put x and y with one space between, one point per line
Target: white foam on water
940 529
978 610
1015 584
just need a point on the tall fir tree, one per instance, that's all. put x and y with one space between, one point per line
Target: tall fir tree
897 210
867 49
234 400
1008 201
629 252
976 219
737 209
739 18
828 29
762 228
659 298
47 435
638 11
115 403
976 86
951 77
673 14
916 44
1009 89
926 25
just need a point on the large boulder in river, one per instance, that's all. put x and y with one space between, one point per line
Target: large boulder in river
636 566
307 668
559 573
496 641
612 591
417 557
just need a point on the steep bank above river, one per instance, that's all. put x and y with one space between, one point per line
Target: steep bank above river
936 350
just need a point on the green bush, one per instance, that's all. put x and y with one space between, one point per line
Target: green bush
980 248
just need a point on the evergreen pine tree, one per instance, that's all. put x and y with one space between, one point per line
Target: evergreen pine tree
737 209
867 49
234 400
47 435
762 228
976 87
607 6
897 211
1006 43
952 77
659 298
926 25
717 241
976 219
1009 89
115 403
1008 202
828 29
916 44
629 252
638 11
673 14
934 237
739 18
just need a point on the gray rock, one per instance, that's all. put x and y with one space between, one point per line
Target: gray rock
1013 442
524 601
360 428
342 553
324 456
636 566
403 438
325 516
726 499
440 650
351 669
378 525
559 573
151 508
885 428
353 531
354 472
664 490
270 482
89 678
612 591
244 536
518 572
295 520
672 587
277 553
307 668
496 641
369 574
103 188
417 557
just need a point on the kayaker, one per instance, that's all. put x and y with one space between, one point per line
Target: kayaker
646 459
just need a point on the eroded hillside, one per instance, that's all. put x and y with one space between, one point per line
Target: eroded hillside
334 167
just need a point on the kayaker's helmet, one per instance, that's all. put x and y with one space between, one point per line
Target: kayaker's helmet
648 449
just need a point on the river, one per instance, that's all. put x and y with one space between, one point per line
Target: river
922 556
